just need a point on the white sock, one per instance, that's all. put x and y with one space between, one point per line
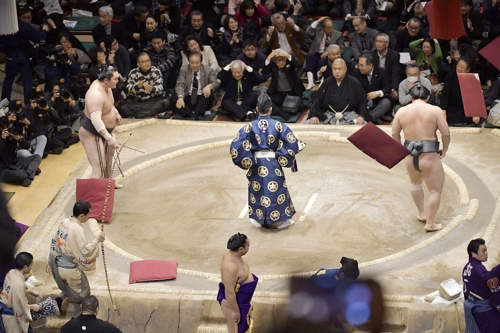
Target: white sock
310 80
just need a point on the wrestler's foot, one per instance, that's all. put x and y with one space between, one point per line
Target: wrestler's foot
422 218
434 227
118 186
255 223
285 224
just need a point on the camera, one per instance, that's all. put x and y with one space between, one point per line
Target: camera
16 106
40 98
55 50
65 94
13 130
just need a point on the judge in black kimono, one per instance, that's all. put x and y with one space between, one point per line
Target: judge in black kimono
340 99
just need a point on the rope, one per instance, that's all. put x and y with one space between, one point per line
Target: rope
104 214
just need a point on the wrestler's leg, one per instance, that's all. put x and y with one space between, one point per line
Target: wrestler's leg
231 325
433 175
417 193
88 141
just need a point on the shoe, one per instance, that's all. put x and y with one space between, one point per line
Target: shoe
74 139
26 182
56 151
59 301
387 118
255 223
38 171
45 154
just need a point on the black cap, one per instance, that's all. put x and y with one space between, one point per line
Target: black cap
264 102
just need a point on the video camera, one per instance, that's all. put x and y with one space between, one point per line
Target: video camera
55 50
16 106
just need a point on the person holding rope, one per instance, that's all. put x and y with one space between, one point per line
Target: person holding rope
71 255
420 122
98 121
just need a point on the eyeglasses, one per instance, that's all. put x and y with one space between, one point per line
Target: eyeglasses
26 17
280 60
144 61
250 49
413 28
57 91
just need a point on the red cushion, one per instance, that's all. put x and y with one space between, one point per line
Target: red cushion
472 92
375 143
152 270
94 191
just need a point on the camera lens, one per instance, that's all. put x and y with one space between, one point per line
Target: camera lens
41 103
65 94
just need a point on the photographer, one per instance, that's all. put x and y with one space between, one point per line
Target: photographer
65 105
44 120
23 126
59 66
19 171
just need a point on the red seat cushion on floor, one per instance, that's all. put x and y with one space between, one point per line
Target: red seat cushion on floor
375 143
152 270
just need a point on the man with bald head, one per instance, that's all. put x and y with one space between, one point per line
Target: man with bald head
333 52
284 34
239 99
323 35
341 99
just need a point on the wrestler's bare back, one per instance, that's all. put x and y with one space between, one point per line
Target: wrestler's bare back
101 99
237 266
419 121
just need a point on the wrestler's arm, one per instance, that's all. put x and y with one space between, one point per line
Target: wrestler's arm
229 279
445 131
396 128
118 116
95 107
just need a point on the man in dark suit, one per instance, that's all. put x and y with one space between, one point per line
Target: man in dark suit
376 84
132 24
322 34
284 80
411 32
284 35
239 98
388 59
473 21
362 40
325 64
107 27
195 84
197 27
368 12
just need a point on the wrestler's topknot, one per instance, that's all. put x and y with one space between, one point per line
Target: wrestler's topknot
236 241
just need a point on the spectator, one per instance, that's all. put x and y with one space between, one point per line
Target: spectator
197 27
212 11
193 44
332 8
26 15
233 6
473 22
362 40
341 99
88 319
117 56
44 121
231 41
410 33
14 169
170 17
59 66
146 95
106 27
239 98
194 86
388 59
67 109
416 9
151 28
250 16
451 98
16 48
98 58
325 65
351 12
323 35
493 94
252 57
132 24
376 85
284 80
118 6
284 35
428 57
162 56
74 54
412 75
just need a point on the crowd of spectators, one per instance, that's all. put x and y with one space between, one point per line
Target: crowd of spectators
185 58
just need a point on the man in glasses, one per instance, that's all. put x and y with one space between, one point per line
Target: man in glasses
411 32
252 57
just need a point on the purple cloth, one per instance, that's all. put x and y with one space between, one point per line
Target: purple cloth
478 279
22 229
243 298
